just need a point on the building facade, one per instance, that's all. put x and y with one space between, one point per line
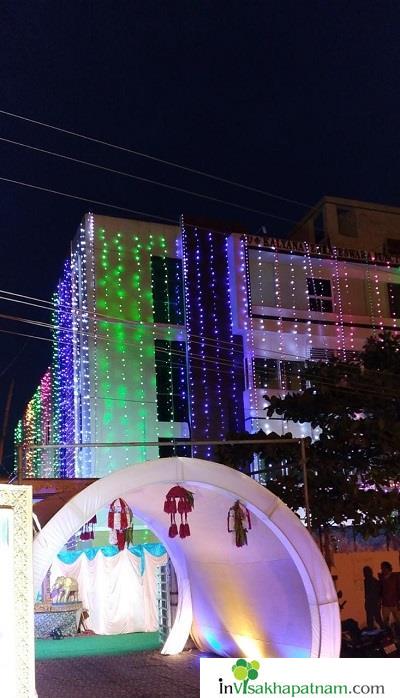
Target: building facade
166 333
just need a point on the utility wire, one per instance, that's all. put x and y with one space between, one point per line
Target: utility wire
90 201
98 318
155 159
212 342
147 180
390 394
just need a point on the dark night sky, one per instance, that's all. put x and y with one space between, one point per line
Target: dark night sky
296 98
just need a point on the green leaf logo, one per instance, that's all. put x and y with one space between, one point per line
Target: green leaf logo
245 671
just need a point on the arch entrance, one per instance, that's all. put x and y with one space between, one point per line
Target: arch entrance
272 598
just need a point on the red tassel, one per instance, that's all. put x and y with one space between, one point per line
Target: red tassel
173 530
170 506
121 540
124 521
187 530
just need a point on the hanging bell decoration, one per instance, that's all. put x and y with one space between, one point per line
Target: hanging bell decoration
179 501
239 522
120 520
87 531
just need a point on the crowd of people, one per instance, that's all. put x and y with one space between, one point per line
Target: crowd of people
382 598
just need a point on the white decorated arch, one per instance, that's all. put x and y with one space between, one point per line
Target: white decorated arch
272 598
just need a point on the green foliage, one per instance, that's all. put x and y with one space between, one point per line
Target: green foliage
354 468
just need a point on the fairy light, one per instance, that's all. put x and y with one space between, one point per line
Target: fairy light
121 340
340 338
292 282
321 269
307 266
278 305
90 420
238 417
169 332
248 323
348 304
45 425
370 296
187 270
29 438
153 379
377 297
216 349
103 307
203 367
395 321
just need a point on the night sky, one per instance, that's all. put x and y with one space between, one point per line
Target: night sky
299 99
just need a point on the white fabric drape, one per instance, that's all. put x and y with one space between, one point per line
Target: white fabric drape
118 598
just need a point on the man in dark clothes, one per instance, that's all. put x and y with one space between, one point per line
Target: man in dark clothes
372 594
390 594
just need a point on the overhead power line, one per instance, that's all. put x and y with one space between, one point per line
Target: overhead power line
90 201
146 180
153 158
99 317
223 366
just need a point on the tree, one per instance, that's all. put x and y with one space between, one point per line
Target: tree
354 467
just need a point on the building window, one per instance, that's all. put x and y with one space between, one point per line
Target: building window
394 300
327 355
292 375
167 287
321 354
318 223
319 295
279 375
392 246
171 381
347 222
266 373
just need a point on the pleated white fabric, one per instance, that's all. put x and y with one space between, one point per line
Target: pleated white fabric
119 599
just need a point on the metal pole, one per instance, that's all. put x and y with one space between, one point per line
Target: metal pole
124 444
305 480
20 452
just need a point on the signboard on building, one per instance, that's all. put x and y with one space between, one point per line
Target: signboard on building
298 247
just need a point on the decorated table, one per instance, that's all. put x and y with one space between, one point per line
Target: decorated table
52 619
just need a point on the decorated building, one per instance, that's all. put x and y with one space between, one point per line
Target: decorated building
166 333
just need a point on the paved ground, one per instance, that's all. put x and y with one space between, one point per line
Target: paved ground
140 675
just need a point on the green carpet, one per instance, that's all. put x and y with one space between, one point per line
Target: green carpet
90 645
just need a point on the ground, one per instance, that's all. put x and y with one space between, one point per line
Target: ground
140 674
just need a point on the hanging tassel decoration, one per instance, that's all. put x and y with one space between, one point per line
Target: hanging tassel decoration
179 501
88 529
120 520
239 522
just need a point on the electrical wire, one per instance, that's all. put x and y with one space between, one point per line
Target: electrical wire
146 180
98 318
389 394
90 201
155 159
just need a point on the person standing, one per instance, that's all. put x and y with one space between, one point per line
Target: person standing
372 599
390 594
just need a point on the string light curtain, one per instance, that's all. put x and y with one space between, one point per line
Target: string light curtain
211 343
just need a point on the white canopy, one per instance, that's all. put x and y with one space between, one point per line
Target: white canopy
272 598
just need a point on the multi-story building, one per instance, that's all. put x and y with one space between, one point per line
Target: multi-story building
167 333
355 225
